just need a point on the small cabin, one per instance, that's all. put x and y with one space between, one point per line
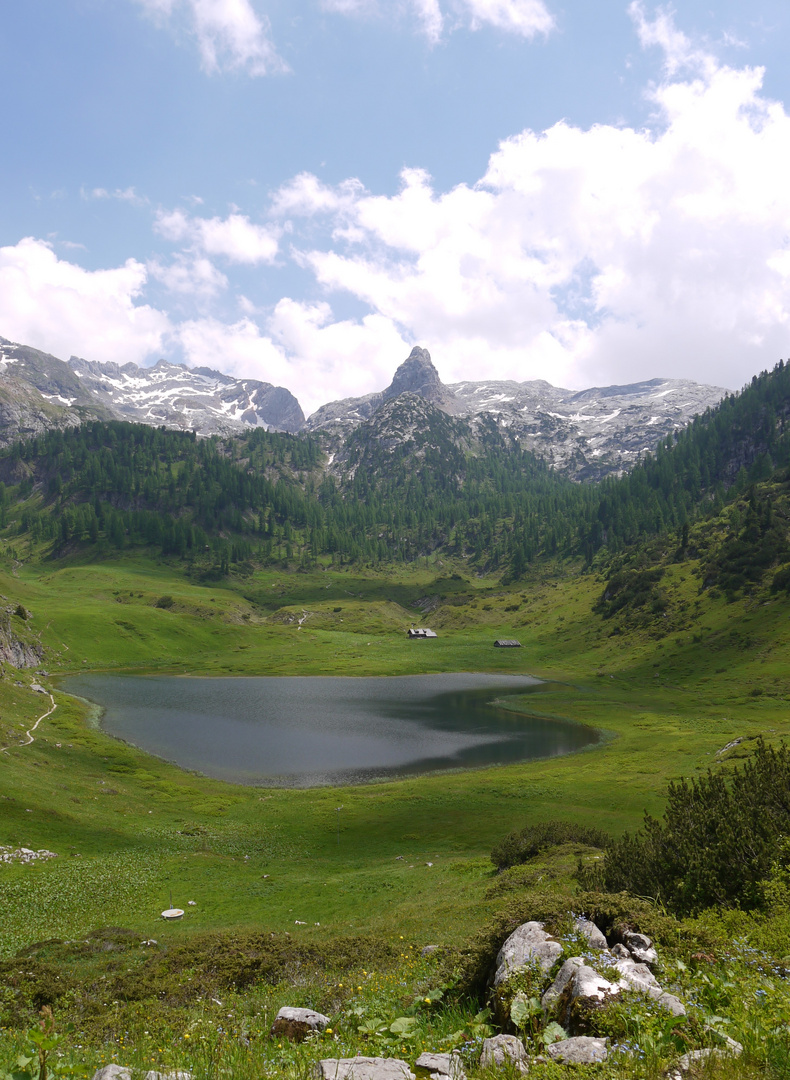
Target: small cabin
507 643
420 632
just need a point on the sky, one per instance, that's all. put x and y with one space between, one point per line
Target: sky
299 191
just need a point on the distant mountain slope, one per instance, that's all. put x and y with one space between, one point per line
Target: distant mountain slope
198 399
39 392
585 434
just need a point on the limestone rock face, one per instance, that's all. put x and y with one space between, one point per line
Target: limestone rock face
529 944
581 1050
504 1051
296 1024
361 1068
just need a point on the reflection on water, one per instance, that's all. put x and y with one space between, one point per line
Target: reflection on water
304 731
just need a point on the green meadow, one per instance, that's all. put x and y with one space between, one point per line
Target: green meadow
400 864
112 813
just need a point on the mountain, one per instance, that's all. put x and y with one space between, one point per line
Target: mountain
39 392
585 434
198 399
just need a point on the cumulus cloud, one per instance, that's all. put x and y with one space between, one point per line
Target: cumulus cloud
523 17
230 34
195 277
63 309
235 237
583 255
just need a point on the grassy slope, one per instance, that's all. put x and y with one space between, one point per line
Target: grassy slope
251 857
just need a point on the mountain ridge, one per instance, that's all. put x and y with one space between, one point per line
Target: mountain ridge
584 434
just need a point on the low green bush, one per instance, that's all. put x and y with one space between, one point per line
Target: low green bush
716 844
526 843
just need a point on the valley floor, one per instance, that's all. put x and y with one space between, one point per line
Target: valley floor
402 864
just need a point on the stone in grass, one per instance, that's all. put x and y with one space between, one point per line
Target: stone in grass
441 1066
529 944
296 1024
504 1051
363 1068
595 937
582 1050
695 1059
178 1074
577 987
641 947
113 1072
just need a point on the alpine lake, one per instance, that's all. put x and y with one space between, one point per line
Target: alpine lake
308 731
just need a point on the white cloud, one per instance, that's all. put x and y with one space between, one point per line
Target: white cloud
524 17
585 256
121 194
196 277
230 34
235 237
56 306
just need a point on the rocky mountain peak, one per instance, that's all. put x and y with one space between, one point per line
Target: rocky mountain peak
416 375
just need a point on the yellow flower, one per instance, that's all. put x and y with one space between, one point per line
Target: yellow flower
329 1031
427 1001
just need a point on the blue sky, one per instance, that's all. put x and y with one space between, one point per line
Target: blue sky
299 191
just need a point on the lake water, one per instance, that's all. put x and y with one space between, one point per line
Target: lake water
303 731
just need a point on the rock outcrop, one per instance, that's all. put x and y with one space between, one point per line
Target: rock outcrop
297 1024
363 1068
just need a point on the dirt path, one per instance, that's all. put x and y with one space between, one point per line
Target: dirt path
29 732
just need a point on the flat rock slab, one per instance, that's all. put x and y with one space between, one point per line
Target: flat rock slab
441 1066
583 1050
363 1068
296 1024
504 1051
529 944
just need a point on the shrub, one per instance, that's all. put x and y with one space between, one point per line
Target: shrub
164 602
526 843
715 845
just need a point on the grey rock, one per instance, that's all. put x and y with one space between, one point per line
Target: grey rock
620 952
641 947
428 950
594 936
503 1051
669 1002
296 1024
113 1072
580 1050
441 1066
529 944
576 991
634 976
177 1074
363 1068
